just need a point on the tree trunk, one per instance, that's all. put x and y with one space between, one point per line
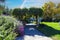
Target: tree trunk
36 19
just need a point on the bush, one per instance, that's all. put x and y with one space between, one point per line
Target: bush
7 26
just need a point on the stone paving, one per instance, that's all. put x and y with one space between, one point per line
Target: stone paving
36 37
31 33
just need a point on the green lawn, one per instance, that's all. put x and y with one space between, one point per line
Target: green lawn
50 29
54 25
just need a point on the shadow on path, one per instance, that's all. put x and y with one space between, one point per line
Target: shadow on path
30 30
20 38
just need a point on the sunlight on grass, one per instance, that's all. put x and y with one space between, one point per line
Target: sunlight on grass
55 37
54 25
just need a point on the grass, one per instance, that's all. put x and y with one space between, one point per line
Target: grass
50 29
54 25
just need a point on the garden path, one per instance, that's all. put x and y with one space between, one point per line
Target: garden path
31 33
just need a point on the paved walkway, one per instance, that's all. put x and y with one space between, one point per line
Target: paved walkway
32 33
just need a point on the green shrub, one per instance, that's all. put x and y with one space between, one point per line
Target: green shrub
7 26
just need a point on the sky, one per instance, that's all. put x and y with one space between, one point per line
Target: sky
27 3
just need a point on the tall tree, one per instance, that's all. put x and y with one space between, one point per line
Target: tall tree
24 11
1 6
48 10
20 13
36 12
58 6
16 12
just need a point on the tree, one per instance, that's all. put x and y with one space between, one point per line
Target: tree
10 11
48 9
36 12
16 12
24 12
1 6
20 13
1 9
57 11
58 6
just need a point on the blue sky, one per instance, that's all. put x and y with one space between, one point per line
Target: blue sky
27 3
13 3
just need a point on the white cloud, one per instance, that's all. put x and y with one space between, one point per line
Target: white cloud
23 4
36 3
30 3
